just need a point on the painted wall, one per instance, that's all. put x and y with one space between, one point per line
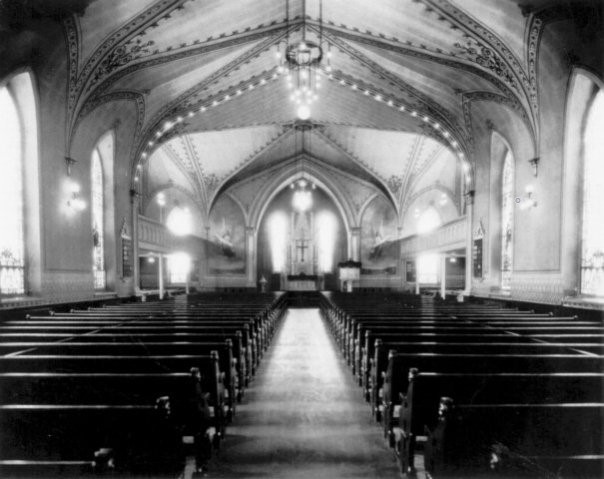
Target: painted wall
545 238
379 239
226 253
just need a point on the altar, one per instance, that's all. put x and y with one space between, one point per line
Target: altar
303 282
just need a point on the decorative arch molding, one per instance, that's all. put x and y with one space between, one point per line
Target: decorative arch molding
237 201
284 178
186 101
125 95
364 206
513 104
496 136
383 183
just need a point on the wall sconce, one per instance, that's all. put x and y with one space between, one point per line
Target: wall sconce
527 201
69 162
534 162
75 202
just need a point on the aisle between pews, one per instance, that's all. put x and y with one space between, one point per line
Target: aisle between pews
302 416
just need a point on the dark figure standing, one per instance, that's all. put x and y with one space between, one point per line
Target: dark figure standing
200 421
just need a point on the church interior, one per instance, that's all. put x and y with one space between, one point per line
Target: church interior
302 238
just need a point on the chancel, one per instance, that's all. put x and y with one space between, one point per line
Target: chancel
302 238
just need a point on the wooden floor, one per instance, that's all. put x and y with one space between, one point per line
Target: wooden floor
303 416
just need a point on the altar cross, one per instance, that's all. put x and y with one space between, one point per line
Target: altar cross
301 246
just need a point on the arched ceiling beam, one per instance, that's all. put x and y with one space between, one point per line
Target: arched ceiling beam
181 105
427 104
224 183
381 182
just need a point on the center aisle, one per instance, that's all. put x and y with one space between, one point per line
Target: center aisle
303 415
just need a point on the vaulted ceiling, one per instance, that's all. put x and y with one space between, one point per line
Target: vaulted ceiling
213 109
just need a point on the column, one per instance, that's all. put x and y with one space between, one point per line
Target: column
416 276
443 276
354 245
160 274
134 200
469 264
250 255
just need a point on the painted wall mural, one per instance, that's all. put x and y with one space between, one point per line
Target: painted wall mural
379 243
226 247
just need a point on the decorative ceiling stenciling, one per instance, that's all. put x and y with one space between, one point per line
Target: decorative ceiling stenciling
429 106
114 41
183 104
492 43
476 52
404 76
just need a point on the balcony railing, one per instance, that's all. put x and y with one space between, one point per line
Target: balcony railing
449 236
154 236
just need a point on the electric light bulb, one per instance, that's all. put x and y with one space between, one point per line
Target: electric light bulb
303 112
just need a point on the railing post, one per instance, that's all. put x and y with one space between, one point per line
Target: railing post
161 276
469 263
443 275
134 199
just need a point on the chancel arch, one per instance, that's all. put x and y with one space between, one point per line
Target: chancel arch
296 171
302 234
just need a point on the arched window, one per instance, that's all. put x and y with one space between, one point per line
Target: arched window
12 251
326 240
98 205
507 220
277 232
592 248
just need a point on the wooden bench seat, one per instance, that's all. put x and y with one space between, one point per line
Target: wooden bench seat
141 436
416 406
508 439
397 368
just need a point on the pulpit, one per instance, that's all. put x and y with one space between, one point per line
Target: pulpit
349 271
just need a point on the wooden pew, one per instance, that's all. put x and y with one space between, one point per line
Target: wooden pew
395 380
207 364
236 373
384 350
516 440
141 436
425 389
249 341
367 350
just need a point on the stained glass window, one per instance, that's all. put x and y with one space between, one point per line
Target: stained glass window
507 220
326 240
12 263
277 233
592 251
98 250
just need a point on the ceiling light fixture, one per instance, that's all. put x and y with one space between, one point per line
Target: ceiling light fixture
299 63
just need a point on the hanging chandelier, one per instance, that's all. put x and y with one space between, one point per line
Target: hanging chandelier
302 197
300 64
